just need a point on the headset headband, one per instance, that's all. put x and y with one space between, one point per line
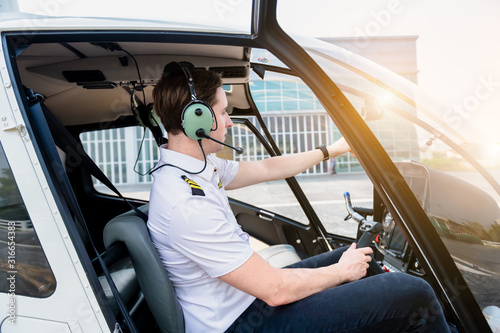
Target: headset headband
190 81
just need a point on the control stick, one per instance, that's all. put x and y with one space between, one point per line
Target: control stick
370 229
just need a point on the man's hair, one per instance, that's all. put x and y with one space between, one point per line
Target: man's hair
171 95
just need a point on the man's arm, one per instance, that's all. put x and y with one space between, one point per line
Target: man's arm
280 167
282 286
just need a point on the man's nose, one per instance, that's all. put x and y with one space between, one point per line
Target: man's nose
229 122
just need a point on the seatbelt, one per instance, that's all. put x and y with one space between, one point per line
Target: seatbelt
37 107
74 149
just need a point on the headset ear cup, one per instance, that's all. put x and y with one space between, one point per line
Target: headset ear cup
195 116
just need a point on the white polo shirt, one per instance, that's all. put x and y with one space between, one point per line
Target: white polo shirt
195 232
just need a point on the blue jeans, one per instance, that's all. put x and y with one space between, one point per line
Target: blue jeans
388 302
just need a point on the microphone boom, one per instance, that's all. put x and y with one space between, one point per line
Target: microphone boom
202 135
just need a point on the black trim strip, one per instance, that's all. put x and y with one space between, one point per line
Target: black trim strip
74 50
20 39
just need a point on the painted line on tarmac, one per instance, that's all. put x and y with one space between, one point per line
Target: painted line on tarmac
471 268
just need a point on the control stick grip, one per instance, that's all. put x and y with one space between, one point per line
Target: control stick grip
369 235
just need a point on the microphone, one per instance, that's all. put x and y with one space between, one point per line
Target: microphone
201 134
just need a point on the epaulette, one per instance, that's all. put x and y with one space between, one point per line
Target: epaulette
195 188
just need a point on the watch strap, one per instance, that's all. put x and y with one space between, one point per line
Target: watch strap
326 155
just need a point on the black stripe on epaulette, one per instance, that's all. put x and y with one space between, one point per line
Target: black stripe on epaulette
195 188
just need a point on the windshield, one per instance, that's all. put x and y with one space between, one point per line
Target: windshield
426 131
430 93
448 66
218 15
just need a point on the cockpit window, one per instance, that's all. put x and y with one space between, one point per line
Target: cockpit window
24 269
126 165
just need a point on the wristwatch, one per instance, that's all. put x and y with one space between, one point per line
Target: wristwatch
325 152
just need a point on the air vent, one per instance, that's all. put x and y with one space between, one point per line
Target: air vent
231 72
97 85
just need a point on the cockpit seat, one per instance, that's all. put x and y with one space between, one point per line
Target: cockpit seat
123 275
152 276
280 255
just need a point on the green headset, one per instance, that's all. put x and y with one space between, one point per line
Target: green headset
197 117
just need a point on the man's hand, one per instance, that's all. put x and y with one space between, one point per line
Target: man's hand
353 263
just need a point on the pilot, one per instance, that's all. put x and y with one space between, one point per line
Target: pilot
221 283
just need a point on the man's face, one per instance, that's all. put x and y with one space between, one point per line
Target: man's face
223 121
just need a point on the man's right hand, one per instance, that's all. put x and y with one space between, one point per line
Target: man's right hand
353 263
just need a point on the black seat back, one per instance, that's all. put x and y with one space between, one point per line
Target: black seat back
151 274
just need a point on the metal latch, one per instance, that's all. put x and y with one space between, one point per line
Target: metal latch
265 215
11 125
326 239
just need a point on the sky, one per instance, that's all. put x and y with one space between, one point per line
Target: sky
457 58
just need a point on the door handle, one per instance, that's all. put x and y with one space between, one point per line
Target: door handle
265 215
